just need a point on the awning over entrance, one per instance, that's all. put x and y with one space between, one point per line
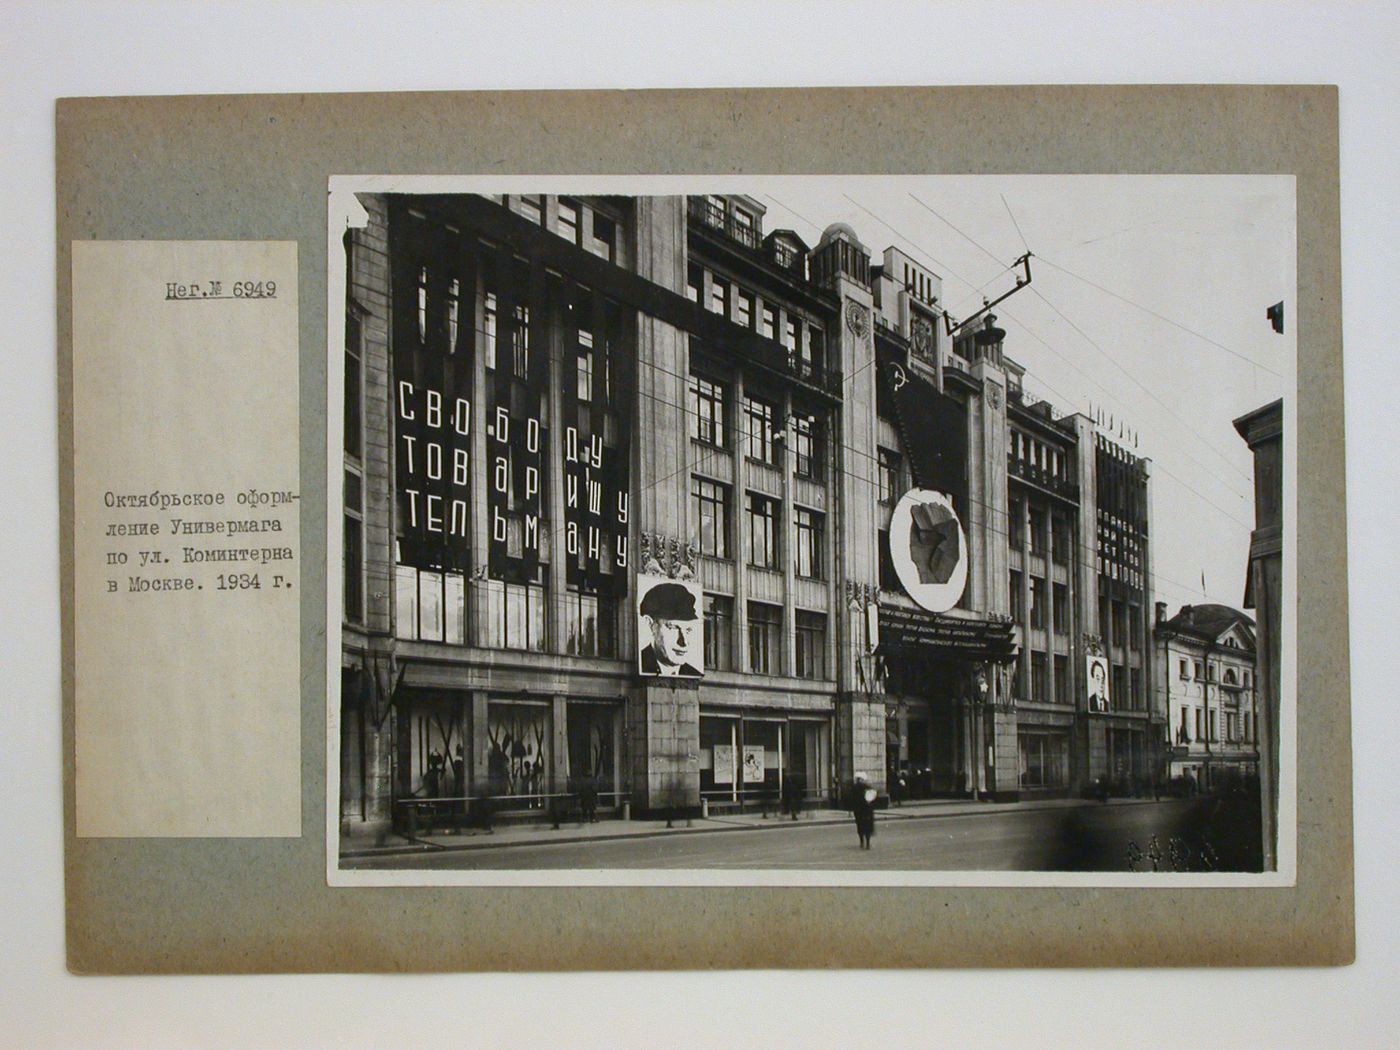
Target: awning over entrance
917 633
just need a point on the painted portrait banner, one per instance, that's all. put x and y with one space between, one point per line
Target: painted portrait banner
1096 674
670 633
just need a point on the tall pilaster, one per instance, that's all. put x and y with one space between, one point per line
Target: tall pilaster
1091 744
663 721
997 766
842 264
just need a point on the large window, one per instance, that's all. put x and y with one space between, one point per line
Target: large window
745 228
490 326
889 475
1037 525
1060 610
584 389
532 207
1016 524
354 553
1061 680
429 606
590 624
769 327
810 529
807 444
719 632
1059 540
745 303
811 645
519 734
1118 689
889 578
765 638
710 506
761 534
761 417
813 351
1044 760
1018 607
514 617
719 296
1038 693
353 384
605 234
568 219
707 410
592 754
1037 602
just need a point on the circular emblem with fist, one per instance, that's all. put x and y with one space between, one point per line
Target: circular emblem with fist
928 549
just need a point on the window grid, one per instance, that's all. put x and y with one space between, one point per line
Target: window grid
810 529
711 507
762 548
765 645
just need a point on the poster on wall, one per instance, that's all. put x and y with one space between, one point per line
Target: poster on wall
1097 668
929 549
753 763
669 629
724 763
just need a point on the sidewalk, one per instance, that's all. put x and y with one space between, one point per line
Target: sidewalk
607 830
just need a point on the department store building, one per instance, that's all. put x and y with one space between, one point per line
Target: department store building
553 402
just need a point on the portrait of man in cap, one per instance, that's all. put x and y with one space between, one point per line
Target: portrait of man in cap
670 613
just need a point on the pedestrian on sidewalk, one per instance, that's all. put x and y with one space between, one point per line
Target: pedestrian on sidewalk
794 787
588 801
863 809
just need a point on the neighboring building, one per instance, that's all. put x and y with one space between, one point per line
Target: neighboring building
1262 429
548 397
1206 661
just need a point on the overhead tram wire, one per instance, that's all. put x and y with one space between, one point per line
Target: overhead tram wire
1091 378
1161 317
1132 378
1024 242
1148 391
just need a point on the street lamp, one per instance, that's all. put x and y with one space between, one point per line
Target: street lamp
979 729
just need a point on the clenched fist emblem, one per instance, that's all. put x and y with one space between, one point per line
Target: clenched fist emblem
935 542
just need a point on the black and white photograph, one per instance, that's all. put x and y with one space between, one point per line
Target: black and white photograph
838 530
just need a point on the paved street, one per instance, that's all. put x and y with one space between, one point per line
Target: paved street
1084 838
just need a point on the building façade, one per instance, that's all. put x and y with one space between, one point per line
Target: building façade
1206 668
549 399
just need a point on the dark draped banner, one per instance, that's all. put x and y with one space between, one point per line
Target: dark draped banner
596 397
933 427
434 282
515 434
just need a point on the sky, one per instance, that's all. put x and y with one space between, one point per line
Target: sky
1147 303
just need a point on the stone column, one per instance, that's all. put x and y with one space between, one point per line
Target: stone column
1091 759
861 726
663 722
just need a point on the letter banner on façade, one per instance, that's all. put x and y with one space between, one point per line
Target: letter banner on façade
433 346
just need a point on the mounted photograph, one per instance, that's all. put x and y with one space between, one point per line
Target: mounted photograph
811 530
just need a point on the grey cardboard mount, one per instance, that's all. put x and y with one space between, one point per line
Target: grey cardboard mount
256 167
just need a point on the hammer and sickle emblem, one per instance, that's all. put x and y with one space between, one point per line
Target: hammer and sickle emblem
899 377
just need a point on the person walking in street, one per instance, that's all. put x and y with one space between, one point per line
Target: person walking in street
588 800
794 787
863 809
